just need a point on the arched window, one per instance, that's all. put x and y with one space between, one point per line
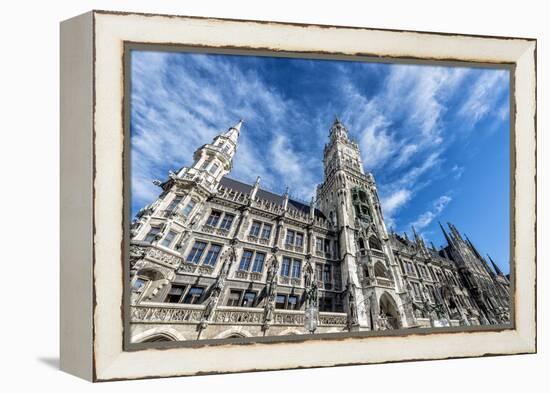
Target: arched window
365 271
374 243
361 244
380 270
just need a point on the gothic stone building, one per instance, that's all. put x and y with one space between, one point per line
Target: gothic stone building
216 258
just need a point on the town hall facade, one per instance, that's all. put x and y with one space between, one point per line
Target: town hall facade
216 258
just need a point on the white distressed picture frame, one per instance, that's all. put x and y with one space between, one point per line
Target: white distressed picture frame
92 194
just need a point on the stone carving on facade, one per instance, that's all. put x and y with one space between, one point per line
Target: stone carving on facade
352 307
217 288
271 289
333 218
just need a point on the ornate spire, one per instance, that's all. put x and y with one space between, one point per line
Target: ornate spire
255 188
234 132
338 130
312 208
285 196
495 266
447 237
455 232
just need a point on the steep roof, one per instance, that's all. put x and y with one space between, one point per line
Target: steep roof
267 195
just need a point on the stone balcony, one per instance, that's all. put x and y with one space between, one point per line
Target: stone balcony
379 282
260 240
173 214
215 231
249 276
191 314
293 281
296 248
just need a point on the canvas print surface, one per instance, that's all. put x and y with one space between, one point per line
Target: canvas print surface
278 196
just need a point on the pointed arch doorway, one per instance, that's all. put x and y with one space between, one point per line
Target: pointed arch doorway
389 312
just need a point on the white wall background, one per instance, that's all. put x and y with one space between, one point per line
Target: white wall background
29 193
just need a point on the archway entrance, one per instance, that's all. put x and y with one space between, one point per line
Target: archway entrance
389 312
161 337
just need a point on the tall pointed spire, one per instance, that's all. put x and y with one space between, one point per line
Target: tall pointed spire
255 188
455 232
338 130
495 266
450 242
234 132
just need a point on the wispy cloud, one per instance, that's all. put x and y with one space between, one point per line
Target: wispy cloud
427 217
457 171
399 114
485 94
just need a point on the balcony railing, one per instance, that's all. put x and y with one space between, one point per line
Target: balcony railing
294 247
224 315
380 282
213 230
377 253
294 281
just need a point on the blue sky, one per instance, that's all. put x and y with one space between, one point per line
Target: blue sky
435 138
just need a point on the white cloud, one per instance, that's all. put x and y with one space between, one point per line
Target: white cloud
457 171
392 203
176 109
427 217
484 95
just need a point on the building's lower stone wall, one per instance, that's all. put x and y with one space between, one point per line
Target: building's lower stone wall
153 331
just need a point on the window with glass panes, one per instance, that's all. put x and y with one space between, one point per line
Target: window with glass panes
234 299
258 265
174 202
266 231
214 168
214 218
280 301
245 260
248 299
168 239
139 284
299 241
319 272
212 255
290 236
296 268
196 252
292 302
255 228
190 205
319 244
327 246
193 295
175 295
152 234
416 290
227 221
327 273
285 267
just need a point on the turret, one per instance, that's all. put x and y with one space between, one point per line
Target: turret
255 188
214 160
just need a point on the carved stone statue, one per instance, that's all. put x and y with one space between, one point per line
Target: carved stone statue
210 305
268 312
311 294
352 314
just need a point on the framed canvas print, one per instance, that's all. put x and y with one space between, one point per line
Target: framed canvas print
246 195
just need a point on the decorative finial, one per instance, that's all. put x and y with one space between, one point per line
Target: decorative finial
238 125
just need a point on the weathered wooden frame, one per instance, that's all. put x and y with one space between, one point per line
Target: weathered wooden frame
92 193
